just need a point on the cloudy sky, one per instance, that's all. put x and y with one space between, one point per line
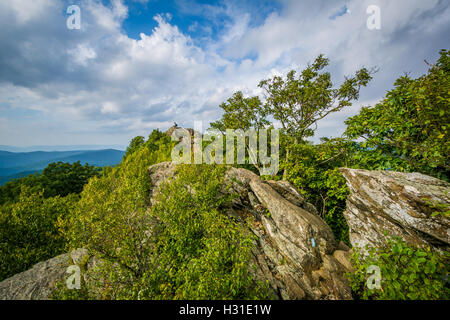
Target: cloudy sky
141 64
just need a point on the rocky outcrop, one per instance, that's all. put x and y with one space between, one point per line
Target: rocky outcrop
36 283
400 204
296 251
39 282
171 130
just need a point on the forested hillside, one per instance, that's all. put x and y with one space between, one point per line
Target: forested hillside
20 164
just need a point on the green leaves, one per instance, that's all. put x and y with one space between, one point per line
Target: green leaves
134 145
28 230
298 102
61 179
314 170
407 272
111 218
241 113
57 179
208 252
409 128
32 207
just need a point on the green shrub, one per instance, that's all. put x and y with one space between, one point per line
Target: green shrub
28 231
61 292
409 128
202 253
406 272
313 169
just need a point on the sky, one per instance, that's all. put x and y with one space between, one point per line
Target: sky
137 65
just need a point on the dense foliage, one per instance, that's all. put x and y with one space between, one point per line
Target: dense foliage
406 273
241 113
29 209
298 102
201 253
314 169
182 247
57 179
409 129
28 231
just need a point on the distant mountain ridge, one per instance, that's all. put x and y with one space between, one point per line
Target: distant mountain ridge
17 164
62 148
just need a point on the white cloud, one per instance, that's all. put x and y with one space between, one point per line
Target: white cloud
26 11
109 107
82 54
99 82
108 18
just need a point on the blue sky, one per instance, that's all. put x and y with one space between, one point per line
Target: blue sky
137 65
198 19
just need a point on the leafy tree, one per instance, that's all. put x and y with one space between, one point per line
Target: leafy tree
135 143
241 113
57 179
409 129
299 102
244 114
61 179
156 139
387 129
10 191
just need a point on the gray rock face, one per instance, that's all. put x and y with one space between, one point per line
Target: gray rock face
36 283
396 203
39 282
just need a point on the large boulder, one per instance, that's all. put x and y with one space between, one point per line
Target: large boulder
39 282
36 283
399 204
